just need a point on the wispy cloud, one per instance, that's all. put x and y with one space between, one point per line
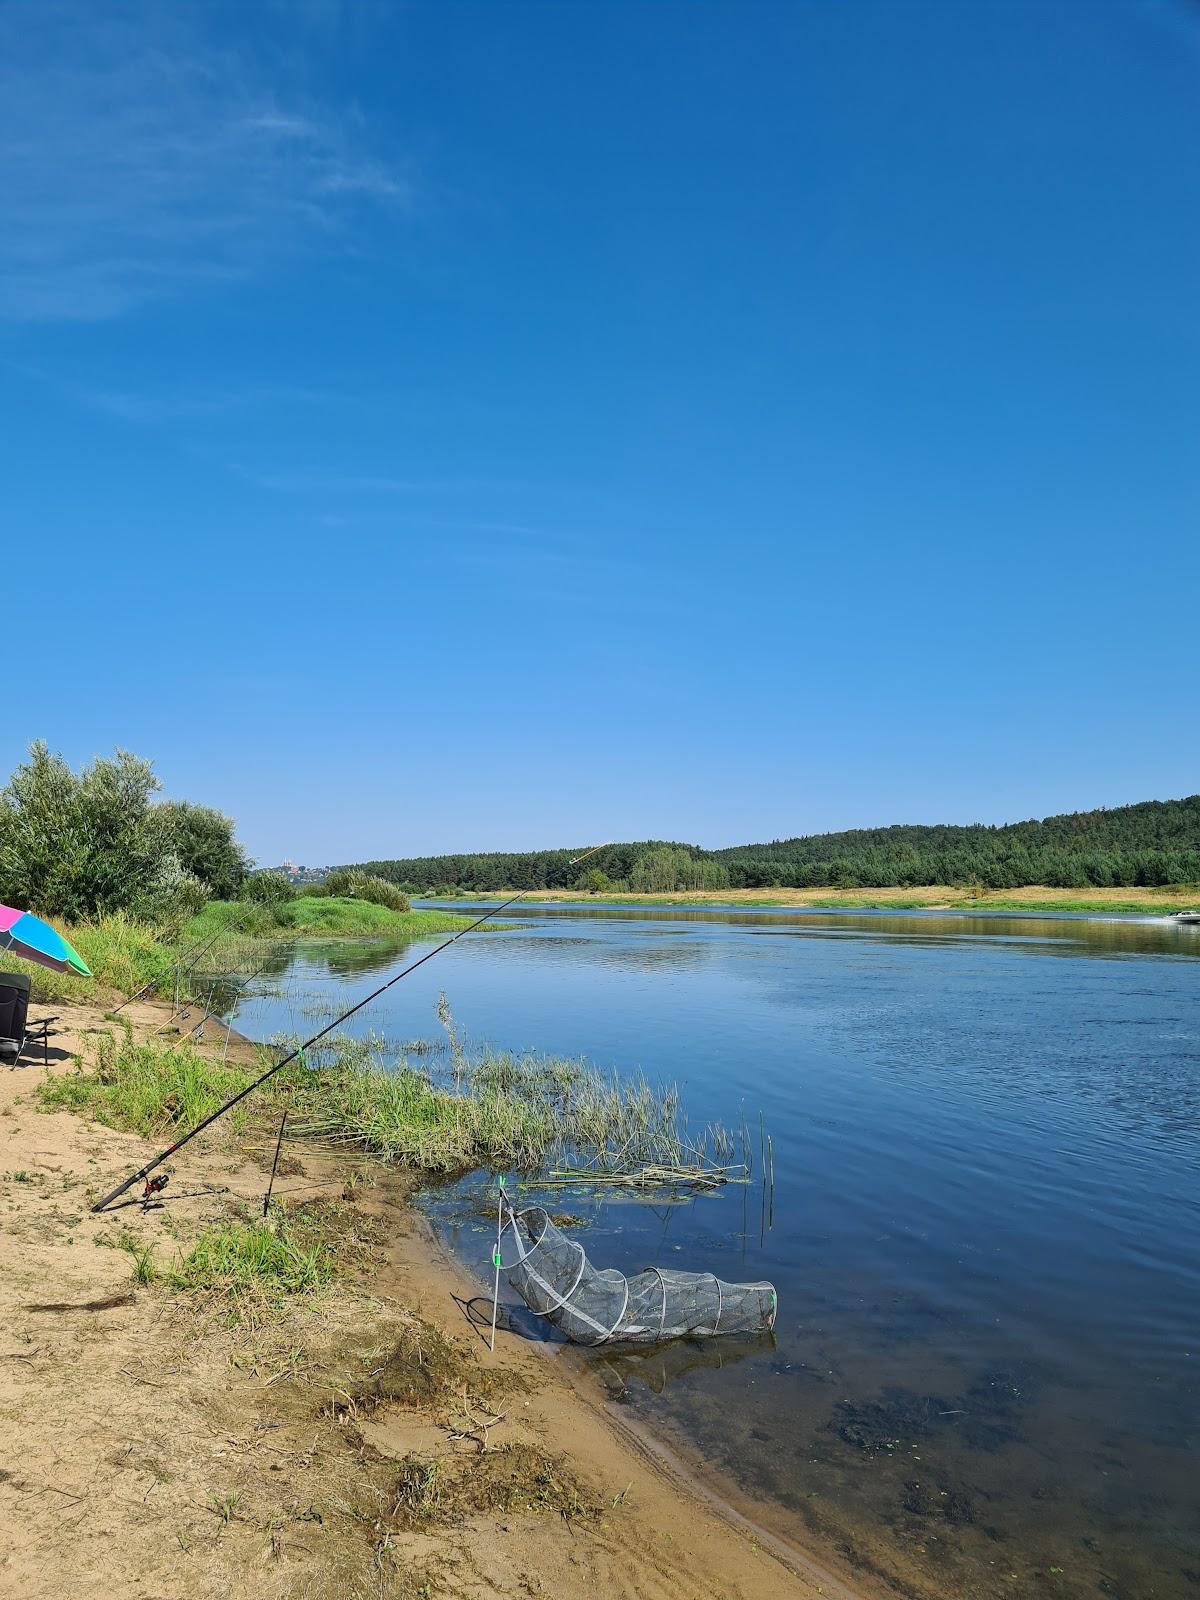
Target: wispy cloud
312 483
182 405
138 157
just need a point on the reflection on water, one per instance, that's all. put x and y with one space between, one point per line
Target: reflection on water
1123 935
987 1220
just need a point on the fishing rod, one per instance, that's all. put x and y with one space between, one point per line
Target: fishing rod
143 1172
175 969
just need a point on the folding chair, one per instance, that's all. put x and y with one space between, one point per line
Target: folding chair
16 1031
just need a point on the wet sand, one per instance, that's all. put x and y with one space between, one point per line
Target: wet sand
154 1449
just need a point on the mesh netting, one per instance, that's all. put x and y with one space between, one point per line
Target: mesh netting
554 1277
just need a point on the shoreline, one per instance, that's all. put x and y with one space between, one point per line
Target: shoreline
606 1506
677 1466
935 897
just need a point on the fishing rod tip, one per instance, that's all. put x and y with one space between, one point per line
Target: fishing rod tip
575 860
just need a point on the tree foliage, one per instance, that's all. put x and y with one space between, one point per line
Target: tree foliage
268 889
489 873
1153 843
1146 845
204 841
81 844
94 842
668 867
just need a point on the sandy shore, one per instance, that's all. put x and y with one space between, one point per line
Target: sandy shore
359 1443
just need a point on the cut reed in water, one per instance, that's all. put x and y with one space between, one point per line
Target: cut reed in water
502 1108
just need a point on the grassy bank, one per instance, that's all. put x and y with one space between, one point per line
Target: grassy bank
1123 902
125 955
272 1413
496 1109
311 916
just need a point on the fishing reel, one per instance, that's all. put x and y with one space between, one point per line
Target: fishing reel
154 1186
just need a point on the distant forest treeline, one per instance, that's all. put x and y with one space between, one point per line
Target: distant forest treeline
1154 843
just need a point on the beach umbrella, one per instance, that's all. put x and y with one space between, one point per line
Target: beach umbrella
32 939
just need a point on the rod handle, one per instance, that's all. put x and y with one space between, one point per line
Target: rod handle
115 1194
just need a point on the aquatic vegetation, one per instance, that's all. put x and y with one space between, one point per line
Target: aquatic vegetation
492 1108
499 1108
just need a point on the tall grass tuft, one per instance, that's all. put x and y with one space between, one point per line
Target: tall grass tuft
251 1267
123 954
149 1088
145 1269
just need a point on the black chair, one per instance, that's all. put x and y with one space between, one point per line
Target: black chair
16 1031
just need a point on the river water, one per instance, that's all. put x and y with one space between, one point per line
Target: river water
985 1231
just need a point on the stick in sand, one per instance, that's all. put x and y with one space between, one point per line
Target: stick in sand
275 1163
496 1260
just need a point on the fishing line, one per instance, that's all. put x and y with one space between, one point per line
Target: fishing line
237 980
206 1122
154 981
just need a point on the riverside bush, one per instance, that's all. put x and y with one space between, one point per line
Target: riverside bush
79 845
356 885
268 889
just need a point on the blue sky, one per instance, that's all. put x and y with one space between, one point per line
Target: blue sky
461 426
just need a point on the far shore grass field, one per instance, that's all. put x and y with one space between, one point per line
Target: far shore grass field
1145 902
125 954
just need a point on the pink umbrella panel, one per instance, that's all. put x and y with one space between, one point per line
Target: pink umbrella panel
32 939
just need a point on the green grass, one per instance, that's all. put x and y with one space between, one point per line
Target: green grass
148 1088
321 917
145 1269
864 902
495 1109
251 1267
403 1115
123 955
